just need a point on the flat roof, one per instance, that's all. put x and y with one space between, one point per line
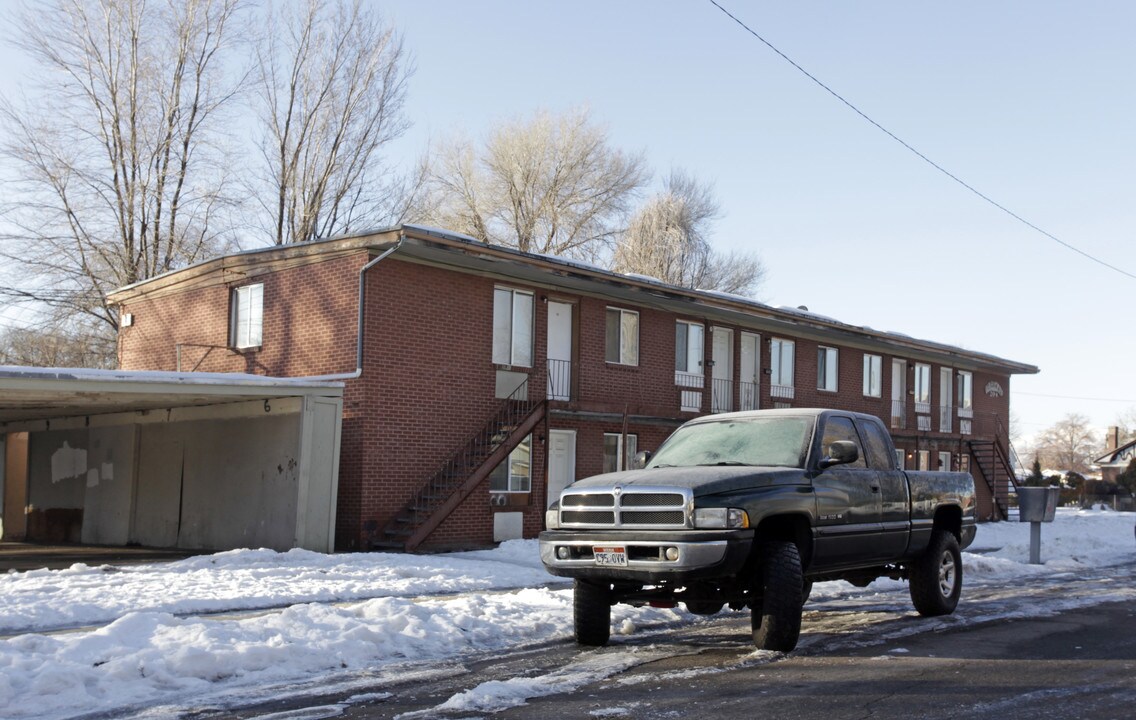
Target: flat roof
28 393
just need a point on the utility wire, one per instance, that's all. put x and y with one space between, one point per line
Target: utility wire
920 155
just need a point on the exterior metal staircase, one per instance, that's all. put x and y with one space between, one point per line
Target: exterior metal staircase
449 485
993 459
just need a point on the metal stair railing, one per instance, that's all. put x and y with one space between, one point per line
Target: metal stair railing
997 468
463 471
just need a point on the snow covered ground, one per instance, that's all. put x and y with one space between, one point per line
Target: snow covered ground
236 627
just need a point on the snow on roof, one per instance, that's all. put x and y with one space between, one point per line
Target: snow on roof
157 376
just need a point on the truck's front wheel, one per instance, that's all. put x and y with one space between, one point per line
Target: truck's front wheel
591 606
936 576
776 620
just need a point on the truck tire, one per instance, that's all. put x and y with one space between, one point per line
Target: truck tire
776 620
591 608
936 576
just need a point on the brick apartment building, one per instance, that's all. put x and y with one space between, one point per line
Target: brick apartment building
479 380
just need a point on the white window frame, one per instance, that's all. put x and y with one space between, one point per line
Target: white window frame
965 394
782 357
691 359
512 330
627 342
900 460
945 461
515 481
632 449
922 388
873 376
924 460
828 359
247 316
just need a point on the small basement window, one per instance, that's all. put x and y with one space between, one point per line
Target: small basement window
247 310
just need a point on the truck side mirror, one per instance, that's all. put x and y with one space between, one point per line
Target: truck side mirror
641 459
840 452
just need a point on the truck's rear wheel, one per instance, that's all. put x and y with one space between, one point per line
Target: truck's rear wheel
935 576
776 620
591 607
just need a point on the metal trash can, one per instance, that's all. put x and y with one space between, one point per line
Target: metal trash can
1037 504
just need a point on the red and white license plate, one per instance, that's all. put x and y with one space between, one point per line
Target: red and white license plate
610 556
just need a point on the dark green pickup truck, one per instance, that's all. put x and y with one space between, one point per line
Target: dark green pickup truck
748 510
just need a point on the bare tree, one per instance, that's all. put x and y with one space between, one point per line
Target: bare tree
83 344
117 162
669 238
332 86
1070 444
548 184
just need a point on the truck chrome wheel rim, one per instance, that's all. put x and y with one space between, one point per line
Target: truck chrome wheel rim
947 574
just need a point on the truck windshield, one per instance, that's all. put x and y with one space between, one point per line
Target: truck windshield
777 441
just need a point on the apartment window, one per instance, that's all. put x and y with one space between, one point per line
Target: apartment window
922 388
781 367
613 451
899 460
512 327
247 315
622 337
924 460
964 463
689 346
965 398
945 461
873 376
514 475
826 368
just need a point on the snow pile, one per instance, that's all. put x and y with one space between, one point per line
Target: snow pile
341 620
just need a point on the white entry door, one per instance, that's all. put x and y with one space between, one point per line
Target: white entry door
559 351
561 462
898 394
722 397
748 381
946 392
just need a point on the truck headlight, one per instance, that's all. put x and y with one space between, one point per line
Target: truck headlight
720 518
552 519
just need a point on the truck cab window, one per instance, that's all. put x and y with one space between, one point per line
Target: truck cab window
877 445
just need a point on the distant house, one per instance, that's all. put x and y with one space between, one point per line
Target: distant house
1114 462
480 380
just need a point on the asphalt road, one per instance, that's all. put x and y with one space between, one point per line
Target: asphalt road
1079 664
1009 654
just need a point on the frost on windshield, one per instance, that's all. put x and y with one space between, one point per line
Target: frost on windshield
779 442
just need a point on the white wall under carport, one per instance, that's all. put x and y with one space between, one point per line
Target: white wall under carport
252 473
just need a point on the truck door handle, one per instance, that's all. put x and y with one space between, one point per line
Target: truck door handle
875 488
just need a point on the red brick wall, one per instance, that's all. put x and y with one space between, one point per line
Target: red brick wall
428 382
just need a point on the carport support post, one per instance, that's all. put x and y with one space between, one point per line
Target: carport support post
1035 543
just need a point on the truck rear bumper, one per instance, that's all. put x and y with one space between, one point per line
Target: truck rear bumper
651 557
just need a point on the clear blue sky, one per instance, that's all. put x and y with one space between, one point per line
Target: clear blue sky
1030 102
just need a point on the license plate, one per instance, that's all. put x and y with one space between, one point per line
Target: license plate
611 556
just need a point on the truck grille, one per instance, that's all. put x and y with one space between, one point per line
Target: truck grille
639 509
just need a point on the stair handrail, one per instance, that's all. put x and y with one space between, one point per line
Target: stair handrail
517 406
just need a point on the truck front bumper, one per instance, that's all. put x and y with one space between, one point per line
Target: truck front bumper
651 556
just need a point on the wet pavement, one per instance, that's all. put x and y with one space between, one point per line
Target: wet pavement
32 556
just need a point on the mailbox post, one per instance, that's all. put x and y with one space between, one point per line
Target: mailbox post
1035 506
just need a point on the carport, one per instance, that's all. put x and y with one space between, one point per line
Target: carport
168 460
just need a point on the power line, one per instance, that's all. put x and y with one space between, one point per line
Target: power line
918 154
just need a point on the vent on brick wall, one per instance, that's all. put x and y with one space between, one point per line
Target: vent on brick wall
449 485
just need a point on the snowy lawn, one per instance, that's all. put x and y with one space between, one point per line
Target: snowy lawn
151 638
